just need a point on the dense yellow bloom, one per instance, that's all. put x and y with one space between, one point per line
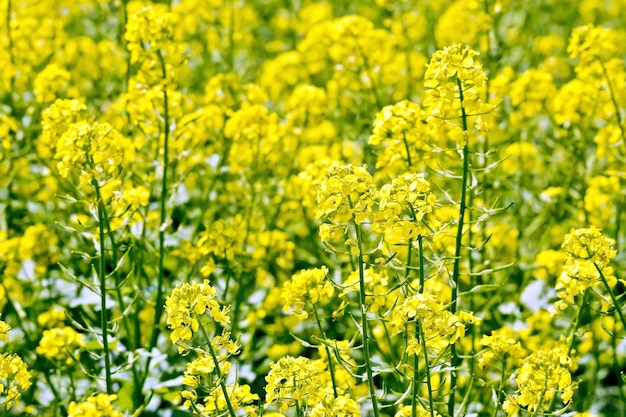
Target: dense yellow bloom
96 150
292 381
49 82
342 406
380 299
521 157
588 244
589 43
55 120
462 21
439 325
59 344
187 304
240 398
407 411
51 318
148 30
100 405
14 378
503 343
588 253
256 139
5 329
454 80
346 193
453 65
307 286
543 375
400 132
409 191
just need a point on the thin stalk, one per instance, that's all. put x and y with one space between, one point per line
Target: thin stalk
408 151
364 323
618 115
166 133
428 382
120 299
621 317
500 386
230 59
575 325
10 48
39 359
420 334
104 320
218 372
330 360
612 295
457 251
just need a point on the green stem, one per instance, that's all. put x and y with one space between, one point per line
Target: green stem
420 334
218 372
408 151
45 369
104 320
330 359
427 365
500 386
364 323
163 213
575 324
612 295
621 317
457 251
618 115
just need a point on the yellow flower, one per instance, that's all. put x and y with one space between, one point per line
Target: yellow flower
100 405
187 304
5 329
96 150
346 193
292 381
309 285
59 344
543 375
14 378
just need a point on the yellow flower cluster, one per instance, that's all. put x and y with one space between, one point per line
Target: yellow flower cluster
96 150
501 345
99 405
401 132
240 396
409 191
187 304
407 411
588 255
590 43
149 41
14 375
346 193
454 80
59 344
588 245
55 120
4 331
342 406
204 377
377 286
295 381
543 375
307 286
440 326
